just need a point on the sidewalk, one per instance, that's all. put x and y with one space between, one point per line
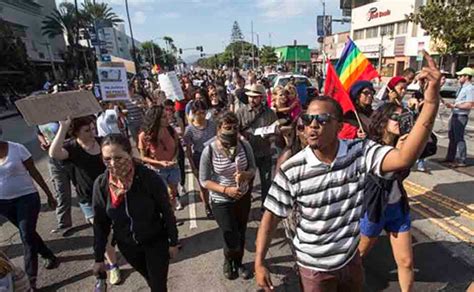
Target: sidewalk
5 114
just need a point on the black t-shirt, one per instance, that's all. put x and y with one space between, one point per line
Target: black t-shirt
240 94
85 169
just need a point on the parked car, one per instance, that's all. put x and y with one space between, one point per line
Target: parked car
283 80
449 89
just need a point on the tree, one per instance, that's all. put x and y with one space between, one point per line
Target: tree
17 70
170 44
268 56
92 11
62 21
236 35
448 25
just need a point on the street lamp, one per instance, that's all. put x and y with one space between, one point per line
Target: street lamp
131 35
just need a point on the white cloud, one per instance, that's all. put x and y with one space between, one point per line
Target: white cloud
139 17
170 15
285 8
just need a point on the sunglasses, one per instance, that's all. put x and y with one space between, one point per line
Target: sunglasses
321 119
368 92
395 117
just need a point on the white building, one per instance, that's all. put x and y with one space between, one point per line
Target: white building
382 27
116 41
25 18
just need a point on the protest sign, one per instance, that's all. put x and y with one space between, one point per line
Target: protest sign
113 81
46 108
170 85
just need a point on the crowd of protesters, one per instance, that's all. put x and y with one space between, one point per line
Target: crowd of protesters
337 181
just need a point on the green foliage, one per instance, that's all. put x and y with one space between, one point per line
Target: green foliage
161 56
236 35
14 58
93 11
62 21
452 25
268 56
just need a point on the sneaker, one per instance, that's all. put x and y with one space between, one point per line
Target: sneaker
114 275
62 230
209 214
50 263
244 273
459 164
229 272
178 205
420 166
100 286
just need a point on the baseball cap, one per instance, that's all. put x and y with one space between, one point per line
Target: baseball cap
466 71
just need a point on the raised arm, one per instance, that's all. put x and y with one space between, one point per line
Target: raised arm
403 158
56 149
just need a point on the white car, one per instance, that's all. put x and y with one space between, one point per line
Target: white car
449 89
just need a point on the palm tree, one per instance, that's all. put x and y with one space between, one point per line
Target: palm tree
92 11
170 44
62 21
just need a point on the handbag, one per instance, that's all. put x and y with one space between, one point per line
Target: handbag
431 147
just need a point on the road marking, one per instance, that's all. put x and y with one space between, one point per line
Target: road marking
456 206
443 217
190 188
439 222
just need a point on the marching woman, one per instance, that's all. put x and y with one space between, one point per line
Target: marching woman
20 204
386 201
132 200
159 148
83 153
197 133
227 169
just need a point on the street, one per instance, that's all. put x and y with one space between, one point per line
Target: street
442 211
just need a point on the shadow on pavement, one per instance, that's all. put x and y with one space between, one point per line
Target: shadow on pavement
441 155
56 245
463 189
435 269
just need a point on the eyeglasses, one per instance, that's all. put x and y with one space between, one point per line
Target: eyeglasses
321 119
395 117
230 127
368 92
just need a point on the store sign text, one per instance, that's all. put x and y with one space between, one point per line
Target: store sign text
374 13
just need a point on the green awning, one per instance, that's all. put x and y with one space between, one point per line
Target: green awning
293 53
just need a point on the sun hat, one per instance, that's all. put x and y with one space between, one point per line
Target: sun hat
466 71
256 90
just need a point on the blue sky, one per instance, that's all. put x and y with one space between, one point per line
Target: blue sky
209 22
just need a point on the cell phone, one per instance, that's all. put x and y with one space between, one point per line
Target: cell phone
405 123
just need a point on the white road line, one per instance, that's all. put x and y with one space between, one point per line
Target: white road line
190 188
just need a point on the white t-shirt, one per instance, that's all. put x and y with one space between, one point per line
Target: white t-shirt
15 181
107 123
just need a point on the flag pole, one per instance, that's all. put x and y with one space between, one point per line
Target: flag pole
359 121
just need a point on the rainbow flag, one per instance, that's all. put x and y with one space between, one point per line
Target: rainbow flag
353 66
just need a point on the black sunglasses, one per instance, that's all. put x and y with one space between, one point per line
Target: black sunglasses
321 119
368 92
395 117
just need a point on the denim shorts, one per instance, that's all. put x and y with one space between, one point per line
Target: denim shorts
171 175
87 210
394 219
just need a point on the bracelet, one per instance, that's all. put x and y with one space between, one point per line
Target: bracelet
225 188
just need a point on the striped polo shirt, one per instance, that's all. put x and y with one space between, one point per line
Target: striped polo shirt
328 199
217 167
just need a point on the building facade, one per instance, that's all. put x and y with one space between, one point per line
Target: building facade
26 17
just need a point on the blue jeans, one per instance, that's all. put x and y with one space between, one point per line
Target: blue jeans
457 145
62 188
23 213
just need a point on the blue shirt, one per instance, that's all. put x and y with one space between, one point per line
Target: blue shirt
465 94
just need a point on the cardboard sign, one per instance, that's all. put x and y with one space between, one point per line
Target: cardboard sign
113 81
169 83
46 108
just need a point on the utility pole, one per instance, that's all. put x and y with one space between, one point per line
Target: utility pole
134 52
380 53
153 52
270 38
296 55
324 36
253 51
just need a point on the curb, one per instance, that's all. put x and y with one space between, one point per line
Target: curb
9 115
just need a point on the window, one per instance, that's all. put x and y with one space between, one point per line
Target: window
372 32
402 27
358 34
387 29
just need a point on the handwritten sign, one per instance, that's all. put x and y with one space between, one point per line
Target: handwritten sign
113 81
169 83
46 108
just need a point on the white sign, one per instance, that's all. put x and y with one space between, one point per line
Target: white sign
113 81
169 83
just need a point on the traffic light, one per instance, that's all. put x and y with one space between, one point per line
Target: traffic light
199 48
180 51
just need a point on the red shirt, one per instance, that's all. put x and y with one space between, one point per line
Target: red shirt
180 105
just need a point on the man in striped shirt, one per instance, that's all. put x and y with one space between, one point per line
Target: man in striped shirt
324 185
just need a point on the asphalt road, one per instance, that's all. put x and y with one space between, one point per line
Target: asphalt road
441 259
